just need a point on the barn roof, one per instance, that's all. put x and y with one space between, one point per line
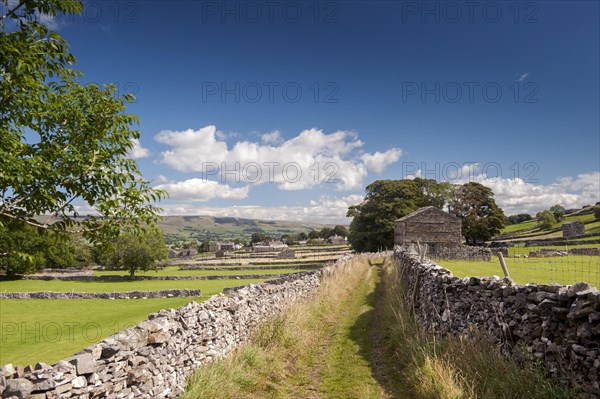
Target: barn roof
424 210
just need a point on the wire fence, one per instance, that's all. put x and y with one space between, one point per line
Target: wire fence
532 265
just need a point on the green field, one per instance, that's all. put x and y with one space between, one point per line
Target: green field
521 249
174 271
531 224
208 287
531 230
564 270
49 330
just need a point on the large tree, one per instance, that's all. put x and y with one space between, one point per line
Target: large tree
545 219
340 230
373 223
481 217
558 211
63 142
133 251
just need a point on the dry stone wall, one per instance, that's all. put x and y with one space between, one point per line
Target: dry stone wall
456 251
554 324
152 359
101 295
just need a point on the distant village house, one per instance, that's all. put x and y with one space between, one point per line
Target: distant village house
269 246
222 246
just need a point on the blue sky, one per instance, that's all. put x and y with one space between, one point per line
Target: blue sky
359 90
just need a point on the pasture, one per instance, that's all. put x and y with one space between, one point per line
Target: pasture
175 271
49 330
563 270
208 287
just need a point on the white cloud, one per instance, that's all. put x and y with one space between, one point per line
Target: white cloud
161 179
306 160
326 209
202 190
522 77
272 138
138 151
517 196
378 161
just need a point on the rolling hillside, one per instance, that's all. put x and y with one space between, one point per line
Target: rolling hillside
205 228
529 230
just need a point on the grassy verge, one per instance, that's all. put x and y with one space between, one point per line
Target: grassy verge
433 367
315 349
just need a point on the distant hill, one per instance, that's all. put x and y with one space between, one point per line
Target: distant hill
211 228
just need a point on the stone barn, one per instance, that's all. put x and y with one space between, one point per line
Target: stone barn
573 229
431 226
220 254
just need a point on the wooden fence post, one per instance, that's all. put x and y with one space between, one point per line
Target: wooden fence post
503 264
423 251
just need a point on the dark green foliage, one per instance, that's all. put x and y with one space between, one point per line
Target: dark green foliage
258 237
481 217
133 251
313 234
520 218
545 220
326 232
558 211
387 200
597 212
29 249
340 230
204 246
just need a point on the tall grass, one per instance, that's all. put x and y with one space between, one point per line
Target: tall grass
454 367
283 355
308 352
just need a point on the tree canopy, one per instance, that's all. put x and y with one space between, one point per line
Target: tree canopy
387 200
133 251
35 249
481 217
558 211
545 220
63 142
